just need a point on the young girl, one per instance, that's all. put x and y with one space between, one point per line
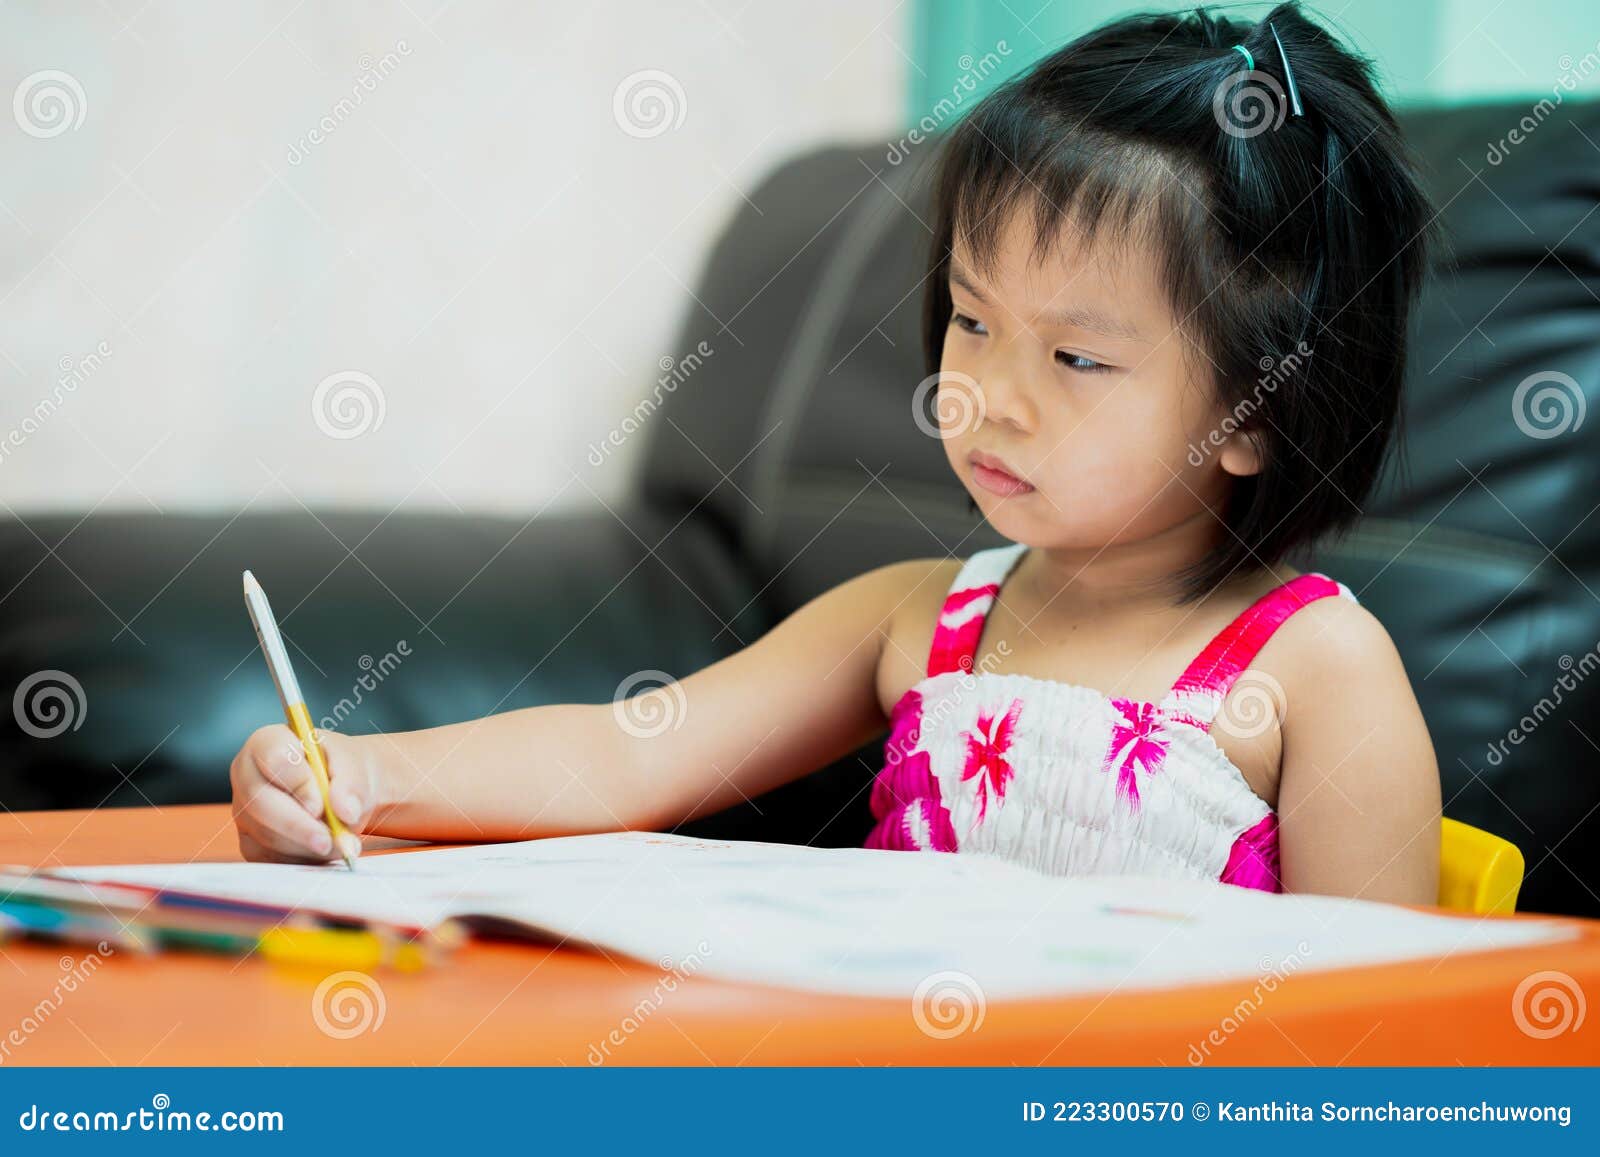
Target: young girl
1169 284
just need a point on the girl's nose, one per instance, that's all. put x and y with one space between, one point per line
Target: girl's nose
1005 396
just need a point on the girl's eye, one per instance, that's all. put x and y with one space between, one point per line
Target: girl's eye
1080 363
970 324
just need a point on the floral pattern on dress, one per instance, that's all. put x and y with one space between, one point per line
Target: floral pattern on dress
1138 745
987 743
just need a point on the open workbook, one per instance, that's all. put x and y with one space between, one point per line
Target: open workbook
852 920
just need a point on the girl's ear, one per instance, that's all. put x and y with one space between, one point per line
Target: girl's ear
1241 454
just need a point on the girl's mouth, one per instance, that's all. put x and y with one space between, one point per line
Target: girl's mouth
995 476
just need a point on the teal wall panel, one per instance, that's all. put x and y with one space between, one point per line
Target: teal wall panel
1427 51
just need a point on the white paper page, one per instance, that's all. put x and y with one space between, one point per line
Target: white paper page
860 921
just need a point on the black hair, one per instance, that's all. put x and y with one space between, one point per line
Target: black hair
1271 229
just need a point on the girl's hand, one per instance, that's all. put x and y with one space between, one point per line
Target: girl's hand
277 806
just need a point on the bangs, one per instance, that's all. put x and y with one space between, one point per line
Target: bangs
1102 191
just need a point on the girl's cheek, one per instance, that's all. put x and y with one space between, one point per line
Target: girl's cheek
1116 457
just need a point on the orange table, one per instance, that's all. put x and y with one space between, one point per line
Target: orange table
501 1003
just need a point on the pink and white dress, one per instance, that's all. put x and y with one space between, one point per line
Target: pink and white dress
1070 781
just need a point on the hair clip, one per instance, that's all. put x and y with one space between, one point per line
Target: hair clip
1288 73
1249 61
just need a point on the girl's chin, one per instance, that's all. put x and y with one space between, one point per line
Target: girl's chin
1016 518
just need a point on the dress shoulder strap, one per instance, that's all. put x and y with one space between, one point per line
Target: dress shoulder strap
1198 694
971 596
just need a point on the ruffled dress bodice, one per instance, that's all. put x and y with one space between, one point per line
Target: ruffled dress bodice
1069 781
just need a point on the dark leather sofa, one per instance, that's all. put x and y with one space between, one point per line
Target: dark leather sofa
787 462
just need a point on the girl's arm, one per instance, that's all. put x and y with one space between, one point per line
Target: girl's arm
791 702
1358 797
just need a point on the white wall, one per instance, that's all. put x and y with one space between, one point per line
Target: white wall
476 233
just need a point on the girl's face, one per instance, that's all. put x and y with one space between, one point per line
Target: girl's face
1069 403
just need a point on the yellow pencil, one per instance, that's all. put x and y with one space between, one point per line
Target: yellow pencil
294 704
360 949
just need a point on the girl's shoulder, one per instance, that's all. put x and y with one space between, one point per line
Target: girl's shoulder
1330 644
917 588
899 597
912 578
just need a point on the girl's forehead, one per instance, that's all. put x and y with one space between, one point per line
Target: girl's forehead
1113 269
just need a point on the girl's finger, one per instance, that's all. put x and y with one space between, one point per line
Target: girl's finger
351 789
276 822
281 761
253 850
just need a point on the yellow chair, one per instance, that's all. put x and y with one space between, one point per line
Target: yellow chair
1478 871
